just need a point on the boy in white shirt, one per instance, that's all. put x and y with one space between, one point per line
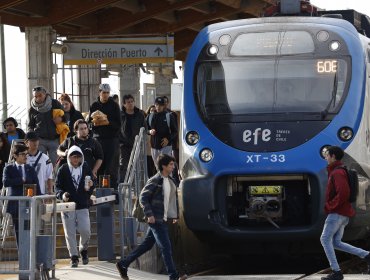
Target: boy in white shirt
40 162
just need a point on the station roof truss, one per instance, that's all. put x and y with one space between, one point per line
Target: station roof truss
94 18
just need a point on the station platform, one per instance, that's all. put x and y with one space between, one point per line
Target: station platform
102 270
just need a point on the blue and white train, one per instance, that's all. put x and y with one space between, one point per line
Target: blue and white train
262 99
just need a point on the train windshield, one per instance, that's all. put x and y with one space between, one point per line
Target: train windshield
271 85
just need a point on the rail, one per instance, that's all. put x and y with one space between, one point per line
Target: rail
135 179
42 223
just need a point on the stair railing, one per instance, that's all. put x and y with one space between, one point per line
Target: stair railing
135 179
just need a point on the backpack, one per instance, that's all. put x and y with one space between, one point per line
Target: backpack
352 176
168 119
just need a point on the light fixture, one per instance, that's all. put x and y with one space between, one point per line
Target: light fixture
322 36
58 48
334 46
345 133
224 39
192 138
323 151
213 49
206 155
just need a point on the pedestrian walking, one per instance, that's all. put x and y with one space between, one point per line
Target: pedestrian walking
105 117
41 120
159 201
73 184
339 210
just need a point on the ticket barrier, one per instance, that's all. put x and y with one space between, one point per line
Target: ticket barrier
105 223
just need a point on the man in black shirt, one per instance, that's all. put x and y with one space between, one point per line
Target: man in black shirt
132 119
106 131
163 130
91 148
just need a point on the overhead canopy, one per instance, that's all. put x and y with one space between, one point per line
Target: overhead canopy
181 18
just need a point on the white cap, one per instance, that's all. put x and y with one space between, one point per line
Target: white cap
104 87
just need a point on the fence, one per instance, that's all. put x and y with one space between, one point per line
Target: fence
32 252
135 179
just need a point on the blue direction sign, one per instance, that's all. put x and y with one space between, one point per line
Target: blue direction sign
119 51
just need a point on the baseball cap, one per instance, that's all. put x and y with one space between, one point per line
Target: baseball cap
104 87
76 153
159 101
31 136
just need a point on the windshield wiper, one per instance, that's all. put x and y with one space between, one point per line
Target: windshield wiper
333 97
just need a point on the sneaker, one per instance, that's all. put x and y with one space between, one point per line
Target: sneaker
367 259
85 257
122 271
74 261
335 275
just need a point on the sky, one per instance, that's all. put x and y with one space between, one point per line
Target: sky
16 56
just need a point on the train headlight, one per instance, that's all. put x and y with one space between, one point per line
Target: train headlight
206 155
323 151
334 46
213 50
345 133
224 39
192 138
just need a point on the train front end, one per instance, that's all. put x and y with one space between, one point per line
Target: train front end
262 100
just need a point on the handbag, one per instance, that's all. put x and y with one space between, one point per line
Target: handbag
138 212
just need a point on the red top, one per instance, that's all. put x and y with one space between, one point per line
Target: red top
337 191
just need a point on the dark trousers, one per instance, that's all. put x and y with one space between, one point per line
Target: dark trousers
124 157
110 161
157 233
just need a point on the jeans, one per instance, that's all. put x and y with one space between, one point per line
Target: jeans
157 233
331 238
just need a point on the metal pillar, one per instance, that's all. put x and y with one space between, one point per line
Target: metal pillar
4 99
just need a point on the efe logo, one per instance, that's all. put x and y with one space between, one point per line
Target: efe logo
263 134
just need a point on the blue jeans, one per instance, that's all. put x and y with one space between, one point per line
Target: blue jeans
331 238
157 233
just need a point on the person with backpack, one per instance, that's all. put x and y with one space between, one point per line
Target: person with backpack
339 210
40 162
162 129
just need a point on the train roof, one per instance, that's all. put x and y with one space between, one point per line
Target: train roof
282 20
360 21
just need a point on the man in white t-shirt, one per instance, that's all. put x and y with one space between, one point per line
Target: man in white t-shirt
40 162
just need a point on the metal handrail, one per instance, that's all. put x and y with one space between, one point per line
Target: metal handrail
33 221
135 178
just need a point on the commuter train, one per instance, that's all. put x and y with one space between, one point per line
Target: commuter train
263 98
